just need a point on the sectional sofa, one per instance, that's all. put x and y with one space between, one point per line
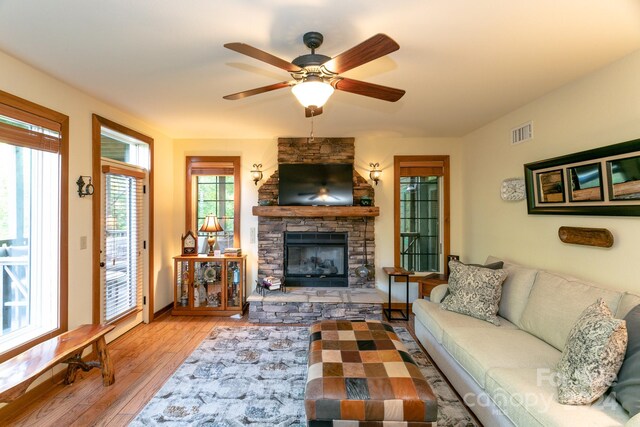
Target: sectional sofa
505 373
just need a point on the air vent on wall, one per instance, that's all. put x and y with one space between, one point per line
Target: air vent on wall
522 133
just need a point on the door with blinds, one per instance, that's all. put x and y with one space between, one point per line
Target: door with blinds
122 241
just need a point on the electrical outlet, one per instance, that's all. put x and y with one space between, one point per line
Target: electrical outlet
252 235
83 242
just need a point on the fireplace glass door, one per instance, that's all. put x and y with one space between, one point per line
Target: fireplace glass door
315 260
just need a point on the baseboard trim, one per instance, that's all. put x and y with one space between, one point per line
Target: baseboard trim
398 305
162 311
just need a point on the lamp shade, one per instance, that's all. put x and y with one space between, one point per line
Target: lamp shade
312 92
211 224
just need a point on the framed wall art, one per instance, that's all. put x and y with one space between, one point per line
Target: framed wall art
602 181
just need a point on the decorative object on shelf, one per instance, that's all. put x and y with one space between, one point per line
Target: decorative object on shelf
512 189
600 237
256 173
375 172
366 201
602 181
264 202
211 225
84 189
209 274
189 244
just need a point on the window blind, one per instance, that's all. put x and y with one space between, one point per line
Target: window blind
29 130
123 237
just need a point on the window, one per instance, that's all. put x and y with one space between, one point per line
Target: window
213 187
421 212
33 224
123 223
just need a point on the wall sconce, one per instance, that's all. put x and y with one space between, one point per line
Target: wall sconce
375 172
256 173
84 189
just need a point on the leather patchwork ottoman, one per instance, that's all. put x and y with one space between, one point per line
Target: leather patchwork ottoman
361 374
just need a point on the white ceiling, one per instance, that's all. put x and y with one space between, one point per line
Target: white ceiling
463 63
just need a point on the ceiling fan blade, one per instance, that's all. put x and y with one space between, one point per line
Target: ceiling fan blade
263 56
370 49
312 112
258 90
358 87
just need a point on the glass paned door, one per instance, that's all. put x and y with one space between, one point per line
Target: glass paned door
420 232
122 245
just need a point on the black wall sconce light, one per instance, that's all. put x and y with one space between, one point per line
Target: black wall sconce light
375 172
84 189
256 173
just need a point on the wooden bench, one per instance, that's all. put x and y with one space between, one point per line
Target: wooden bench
17 373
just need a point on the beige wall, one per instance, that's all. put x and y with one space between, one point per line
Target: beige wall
599 110
26 82
370 150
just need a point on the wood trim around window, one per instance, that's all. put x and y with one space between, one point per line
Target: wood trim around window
211 162
429 162
97 123
63 121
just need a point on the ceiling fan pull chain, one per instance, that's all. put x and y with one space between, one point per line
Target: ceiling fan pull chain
311 139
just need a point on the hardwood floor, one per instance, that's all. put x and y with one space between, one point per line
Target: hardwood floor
144 359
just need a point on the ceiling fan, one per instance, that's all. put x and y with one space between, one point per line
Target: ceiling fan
315 76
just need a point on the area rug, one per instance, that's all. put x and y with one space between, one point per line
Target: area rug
255 376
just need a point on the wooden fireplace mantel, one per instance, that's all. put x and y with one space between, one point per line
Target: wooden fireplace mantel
316 211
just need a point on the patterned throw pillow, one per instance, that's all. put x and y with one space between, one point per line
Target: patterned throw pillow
592 356
474 291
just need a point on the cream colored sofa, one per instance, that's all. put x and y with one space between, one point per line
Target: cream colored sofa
505 373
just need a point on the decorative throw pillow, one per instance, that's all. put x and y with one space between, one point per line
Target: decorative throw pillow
493 266
592 355
474 291
627 387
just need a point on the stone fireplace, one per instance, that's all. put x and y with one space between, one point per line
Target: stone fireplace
355 223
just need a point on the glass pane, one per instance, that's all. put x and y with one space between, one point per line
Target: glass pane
207 284
216 196
122 240
420 223
315 260
29 259
123 148
233 282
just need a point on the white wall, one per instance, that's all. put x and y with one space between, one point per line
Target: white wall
367 151
598 110
26 82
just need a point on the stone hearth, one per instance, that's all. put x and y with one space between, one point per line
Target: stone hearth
308 305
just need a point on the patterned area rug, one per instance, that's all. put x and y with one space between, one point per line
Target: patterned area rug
255 376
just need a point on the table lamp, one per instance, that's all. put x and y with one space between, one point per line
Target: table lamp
211 225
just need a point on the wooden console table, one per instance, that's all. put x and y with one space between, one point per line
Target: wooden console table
397 272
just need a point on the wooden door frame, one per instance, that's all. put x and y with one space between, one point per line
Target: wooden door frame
446 211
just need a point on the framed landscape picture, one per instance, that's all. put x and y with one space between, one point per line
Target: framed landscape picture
602 181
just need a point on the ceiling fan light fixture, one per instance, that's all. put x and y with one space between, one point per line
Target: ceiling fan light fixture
312 92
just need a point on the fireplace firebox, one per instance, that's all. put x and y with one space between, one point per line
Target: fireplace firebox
316 259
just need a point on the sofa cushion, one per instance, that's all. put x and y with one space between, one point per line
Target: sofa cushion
555 304
437 321
477 351
515 289
627 387
627 302
474 291
592 356
528 397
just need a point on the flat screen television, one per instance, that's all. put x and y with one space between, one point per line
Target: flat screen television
315 184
